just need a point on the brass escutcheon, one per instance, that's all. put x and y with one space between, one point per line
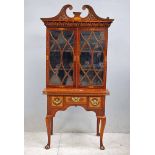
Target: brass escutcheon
75 99
94 101
57 101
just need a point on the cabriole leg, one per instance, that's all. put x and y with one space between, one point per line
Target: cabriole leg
98 124
103 122
48 126
51 125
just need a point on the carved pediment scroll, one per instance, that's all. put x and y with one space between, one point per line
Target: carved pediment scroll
77 20
62 15
91 14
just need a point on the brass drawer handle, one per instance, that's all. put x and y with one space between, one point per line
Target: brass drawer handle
57 101
94 101
75 99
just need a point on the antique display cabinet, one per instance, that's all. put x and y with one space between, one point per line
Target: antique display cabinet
76 65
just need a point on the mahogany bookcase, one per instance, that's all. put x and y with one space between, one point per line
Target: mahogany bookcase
76 65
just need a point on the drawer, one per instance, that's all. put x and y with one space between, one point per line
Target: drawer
75 99
95 102
56 101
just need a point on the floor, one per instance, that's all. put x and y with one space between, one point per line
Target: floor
76 144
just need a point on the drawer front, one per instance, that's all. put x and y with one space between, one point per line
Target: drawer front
56 101
76 99
95 102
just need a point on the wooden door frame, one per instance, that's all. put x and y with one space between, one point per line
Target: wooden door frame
105 30
48 57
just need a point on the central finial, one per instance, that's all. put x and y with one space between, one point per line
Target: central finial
77 16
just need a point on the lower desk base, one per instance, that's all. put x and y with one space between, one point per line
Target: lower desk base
90 103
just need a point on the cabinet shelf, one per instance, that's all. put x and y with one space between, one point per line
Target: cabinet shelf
93 69
70 51
89 51
61 69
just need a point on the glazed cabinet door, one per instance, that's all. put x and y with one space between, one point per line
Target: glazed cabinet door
60 50
92 52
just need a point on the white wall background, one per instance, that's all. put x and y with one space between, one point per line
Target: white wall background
76 119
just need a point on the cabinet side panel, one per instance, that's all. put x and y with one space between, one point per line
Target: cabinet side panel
47 55
105 57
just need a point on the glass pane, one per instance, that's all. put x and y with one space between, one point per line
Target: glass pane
92 41
91 58
91 74
67 60
61 57
85 81
97 81
98 60
55 59
54 78
85 59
